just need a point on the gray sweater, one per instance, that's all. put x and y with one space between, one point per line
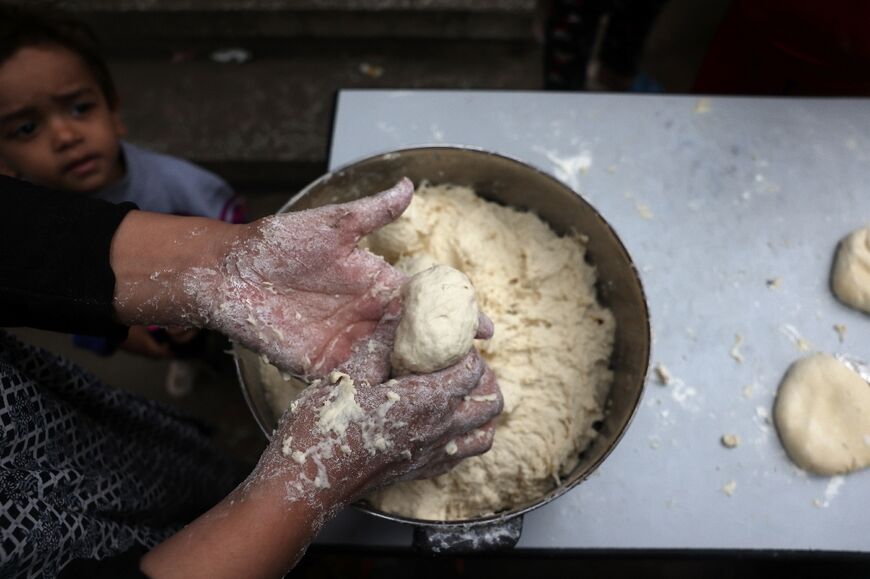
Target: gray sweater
165 184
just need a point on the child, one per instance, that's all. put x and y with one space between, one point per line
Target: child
60 127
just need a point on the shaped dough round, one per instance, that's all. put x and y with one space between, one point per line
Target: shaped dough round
822 414
438 323
851 275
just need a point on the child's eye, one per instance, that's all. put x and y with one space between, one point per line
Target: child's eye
24 130
80 109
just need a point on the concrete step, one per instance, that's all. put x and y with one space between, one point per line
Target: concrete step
126 21
265 124
486 6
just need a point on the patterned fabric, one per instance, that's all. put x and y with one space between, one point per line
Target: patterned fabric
88 471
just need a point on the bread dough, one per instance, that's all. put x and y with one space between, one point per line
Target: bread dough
439 321
822 414
851 275
550 352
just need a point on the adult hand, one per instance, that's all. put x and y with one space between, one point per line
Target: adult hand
294 287
335 444
353 438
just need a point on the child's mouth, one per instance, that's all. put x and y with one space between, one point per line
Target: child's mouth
83 166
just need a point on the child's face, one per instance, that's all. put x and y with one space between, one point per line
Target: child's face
56 128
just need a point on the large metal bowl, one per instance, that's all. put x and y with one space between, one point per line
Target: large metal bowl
509 182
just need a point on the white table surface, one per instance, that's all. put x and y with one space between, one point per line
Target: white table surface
712 199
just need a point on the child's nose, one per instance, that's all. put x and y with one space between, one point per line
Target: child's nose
65 133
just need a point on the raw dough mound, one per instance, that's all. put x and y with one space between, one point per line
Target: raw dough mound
439 321
851 275
550 351
822 414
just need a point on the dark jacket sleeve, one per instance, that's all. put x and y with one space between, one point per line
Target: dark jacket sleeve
123 566
54 260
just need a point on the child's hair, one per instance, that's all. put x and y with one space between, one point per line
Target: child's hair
20 27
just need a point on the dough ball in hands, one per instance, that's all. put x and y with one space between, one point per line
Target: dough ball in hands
439 321
822 414
850 278
414 264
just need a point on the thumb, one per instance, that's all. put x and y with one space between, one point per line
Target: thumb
370 213
370 358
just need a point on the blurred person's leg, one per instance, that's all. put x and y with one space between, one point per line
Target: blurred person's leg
629 23
572 27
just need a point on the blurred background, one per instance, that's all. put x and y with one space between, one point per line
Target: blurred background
246 88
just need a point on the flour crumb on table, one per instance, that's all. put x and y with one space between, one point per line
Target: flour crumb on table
735 350
644 211
730 440
841 331
729 488
773 283
831 491
792 334
663 375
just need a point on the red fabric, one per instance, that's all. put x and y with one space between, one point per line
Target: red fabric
790 47
234 210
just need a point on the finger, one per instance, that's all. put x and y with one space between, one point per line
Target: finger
432 470
370 358
456 380
370 213
471 444
140 341
181 335
154 349
485 327
372 271
474 443
480 405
